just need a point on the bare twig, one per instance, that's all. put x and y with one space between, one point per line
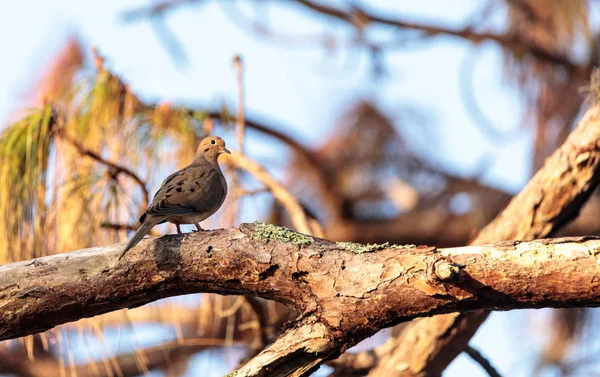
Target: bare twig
158 8
482 361
360 18
14 362
240 121
114 167
280 193
469 100
525 7
117 226
260 339
235 180
246 192
359 363
328 190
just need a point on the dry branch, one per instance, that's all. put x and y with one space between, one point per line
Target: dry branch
116 169
200 329
162 356
328 191
482 361
552 198
279 192
344 296
361 18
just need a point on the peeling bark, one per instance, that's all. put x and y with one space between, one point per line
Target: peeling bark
343 296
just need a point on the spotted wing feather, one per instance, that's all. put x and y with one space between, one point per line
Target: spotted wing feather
192 190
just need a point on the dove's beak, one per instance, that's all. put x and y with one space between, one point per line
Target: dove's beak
225 150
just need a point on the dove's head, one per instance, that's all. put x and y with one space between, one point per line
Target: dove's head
211 147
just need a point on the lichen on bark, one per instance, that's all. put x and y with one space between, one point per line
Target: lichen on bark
360 248
267 232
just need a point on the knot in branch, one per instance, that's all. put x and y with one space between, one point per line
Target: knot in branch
446 271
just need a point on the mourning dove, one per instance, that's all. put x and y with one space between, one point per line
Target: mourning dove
189 195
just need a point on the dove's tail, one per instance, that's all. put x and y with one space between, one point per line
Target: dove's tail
141 232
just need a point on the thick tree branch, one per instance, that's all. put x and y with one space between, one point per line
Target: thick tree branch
552 198
345 296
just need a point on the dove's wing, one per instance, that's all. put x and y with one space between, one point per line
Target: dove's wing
192 190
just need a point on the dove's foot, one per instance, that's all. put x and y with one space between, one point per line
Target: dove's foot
198 227
178 229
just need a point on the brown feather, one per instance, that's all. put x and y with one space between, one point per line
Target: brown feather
189 195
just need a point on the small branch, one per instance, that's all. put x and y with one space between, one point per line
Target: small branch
525 7
117 226
482 361
127 227
360 18
260 340
235 183
360 363
241 123
158 8
269 131
115 168
328 190
280 193
161 356
246 192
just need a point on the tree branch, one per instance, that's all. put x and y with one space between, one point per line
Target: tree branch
279 192
552 198
328 190
360 18
482 361
116 168
344 296
161 356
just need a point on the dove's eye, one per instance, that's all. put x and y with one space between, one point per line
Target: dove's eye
213 142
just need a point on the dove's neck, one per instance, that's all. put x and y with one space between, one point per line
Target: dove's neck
201 160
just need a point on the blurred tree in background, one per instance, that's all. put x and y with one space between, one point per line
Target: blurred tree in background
79 166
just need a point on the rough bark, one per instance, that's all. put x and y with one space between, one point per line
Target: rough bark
552 198
344 296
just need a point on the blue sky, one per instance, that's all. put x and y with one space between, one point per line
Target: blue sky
303 89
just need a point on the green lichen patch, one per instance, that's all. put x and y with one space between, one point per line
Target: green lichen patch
360 248
267 232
